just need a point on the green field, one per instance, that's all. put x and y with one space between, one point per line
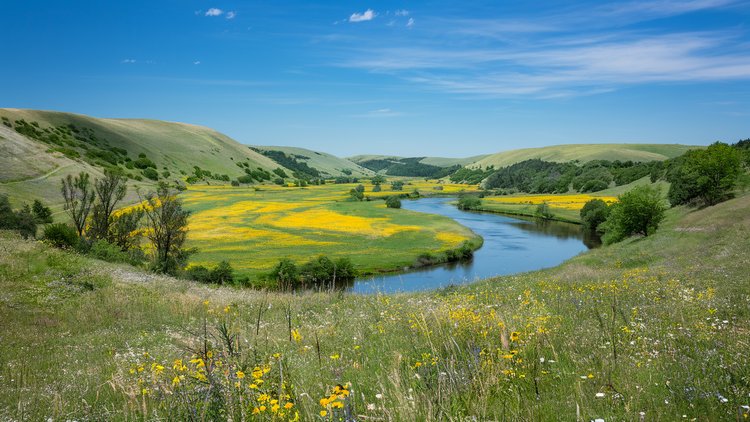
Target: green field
254 229
650 329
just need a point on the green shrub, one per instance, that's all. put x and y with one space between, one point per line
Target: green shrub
323 272
101 249
543 211
393 202
469 203
60 235
285 274
639 211
594 213
222 273
151 173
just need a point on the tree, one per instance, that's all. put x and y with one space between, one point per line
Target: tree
26 222
42 213
109 191
639 211
378 179
376 188
286 274
393 202
79 197
469 203
594 213
124 229
705 176
397 185
543 211
167 229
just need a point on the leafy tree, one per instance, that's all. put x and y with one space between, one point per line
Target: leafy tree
469 203
109 191
7 216
377 188
42 213
705 176
356 195
26 222
393 202
397 185
639 211
543 211
594 213
286 274
167 229
79 196
379 179
123 230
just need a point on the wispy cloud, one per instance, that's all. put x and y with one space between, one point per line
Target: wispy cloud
128 61
401 12
368 15
410 23
231 15
214 12
379 113
197 62
563 54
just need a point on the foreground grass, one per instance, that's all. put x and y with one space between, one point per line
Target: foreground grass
658 327
253 229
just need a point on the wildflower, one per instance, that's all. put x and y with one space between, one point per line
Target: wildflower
289 405
335 356
323 413
599 395
175 381
240 374
379 396
514 336
589 376
296 335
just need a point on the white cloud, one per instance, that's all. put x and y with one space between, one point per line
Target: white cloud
402 12
368 15
197 62
231 15
128 61
214 12
381 112
410 23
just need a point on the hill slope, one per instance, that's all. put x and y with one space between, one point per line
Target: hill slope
433 161
325 163
52 144
584 153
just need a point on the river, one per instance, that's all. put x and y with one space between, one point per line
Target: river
511 245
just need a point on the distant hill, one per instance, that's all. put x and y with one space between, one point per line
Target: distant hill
584 153
38 148
326 164
433 161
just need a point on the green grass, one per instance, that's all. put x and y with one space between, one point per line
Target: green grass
586 152
658 326
176 146
254 229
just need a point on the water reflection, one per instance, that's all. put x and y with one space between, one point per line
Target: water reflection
511 245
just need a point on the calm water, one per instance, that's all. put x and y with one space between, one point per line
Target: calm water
511 245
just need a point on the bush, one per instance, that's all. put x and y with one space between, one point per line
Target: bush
286 274
151 173
101 249
469 203
543 211
397 185
323 271
42 213
60 235
393 202
222 273
376 188
639 211
594 213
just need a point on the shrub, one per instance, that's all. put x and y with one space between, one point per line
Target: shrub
101 249
594 213
42 213
543 211
393 202
323 271
222 273
397 185
469 203
705 176
639 211
286 274
151 173
60 235
376 188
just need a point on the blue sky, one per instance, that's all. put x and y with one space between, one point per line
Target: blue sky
446 78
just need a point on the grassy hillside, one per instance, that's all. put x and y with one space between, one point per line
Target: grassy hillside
434 161
651 329
327 164
584 153
31 169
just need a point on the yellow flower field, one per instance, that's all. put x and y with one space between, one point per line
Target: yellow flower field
254 227
568 202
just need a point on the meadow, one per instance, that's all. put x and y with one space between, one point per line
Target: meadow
563 207
649 329
253 228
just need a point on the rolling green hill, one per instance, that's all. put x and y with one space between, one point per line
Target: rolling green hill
326 164
40 147
584 153
433 161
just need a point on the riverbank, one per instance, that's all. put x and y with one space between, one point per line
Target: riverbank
653 326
